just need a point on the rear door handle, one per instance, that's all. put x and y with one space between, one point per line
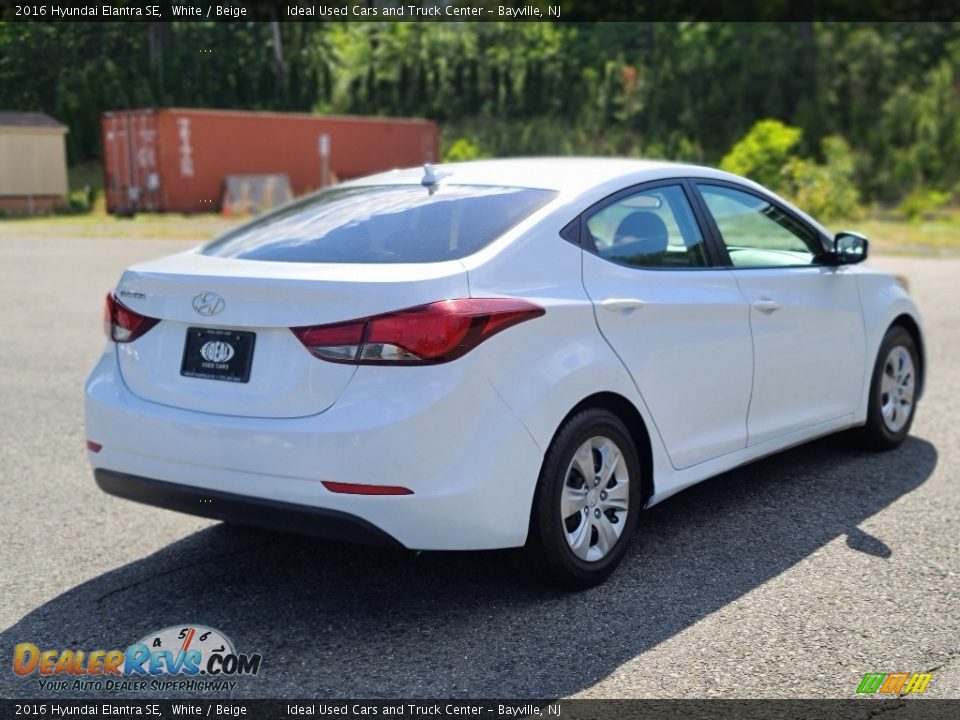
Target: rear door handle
620 304
765 305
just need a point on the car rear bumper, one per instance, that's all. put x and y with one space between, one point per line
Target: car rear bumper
244 510
470 464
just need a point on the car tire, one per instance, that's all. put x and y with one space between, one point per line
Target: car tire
580 527
893 388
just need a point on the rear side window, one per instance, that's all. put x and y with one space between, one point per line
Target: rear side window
383 224
649 229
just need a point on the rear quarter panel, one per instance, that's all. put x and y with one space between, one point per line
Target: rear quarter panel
544 367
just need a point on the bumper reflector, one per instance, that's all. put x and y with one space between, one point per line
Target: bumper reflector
359 489
94 447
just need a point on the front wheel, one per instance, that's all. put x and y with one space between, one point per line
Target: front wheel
893 389
587 501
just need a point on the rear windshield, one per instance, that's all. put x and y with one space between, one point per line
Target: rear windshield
383 224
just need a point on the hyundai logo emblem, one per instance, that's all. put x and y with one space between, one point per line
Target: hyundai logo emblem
208 303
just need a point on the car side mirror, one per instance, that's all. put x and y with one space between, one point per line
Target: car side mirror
849 248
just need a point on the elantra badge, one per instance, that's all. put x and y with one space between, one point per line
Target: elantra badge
208 303
216 351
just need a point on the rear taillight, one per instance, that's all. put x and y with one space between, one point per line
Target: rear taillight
123 325
428 334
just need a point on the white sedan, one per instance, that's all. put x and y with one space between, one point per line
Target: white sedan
495 354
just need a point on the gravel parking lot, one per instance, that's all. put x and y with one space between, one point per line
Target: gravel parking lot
791 577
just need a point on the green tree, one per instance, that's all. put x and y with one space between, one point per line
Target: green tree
763 153
686 90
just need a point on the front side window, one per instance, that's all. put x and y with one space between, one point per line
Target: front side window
650 229
383 224
756 232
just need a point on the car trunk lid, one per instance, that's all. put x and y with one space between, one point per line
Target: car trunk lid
251 306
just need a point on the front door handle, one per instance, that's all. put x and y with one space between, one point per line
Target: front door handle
765 305
621 304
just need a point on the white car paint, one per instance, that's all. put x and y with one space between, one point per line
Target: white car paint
679 319
809 352
716 382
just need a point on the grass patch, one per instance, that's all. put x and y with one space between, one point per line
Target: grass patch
934 235
94 225
97 223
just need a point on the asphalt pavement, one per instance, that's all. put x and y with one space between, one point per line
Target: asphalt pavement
791 577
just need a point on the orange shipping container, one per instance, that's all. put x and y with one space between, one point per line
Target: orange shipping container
176 160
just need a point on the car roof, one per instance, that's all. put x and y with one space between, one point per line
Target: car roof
564 174
571 176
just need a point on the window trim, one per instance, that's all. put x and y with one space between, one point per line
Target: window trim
820 259
714 258
571 232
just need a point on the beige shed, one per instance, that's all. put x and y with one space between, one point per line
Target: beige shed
33 162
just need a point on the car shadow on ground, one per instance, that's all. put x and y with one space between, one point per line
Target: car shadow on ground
335 620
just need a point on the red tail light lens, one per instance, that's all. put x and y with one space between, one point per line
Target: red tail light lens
428 334
358 489
123 325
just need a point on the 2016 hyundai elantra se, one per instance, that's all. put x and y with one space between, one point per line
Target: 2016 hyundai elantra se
495 354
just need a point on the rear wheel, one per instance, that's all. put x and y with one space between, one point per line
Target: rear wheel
893 388
587 501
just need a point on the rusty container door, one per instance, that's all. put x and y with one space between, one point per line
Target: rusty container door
195 150
362 146
132 180
190 166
